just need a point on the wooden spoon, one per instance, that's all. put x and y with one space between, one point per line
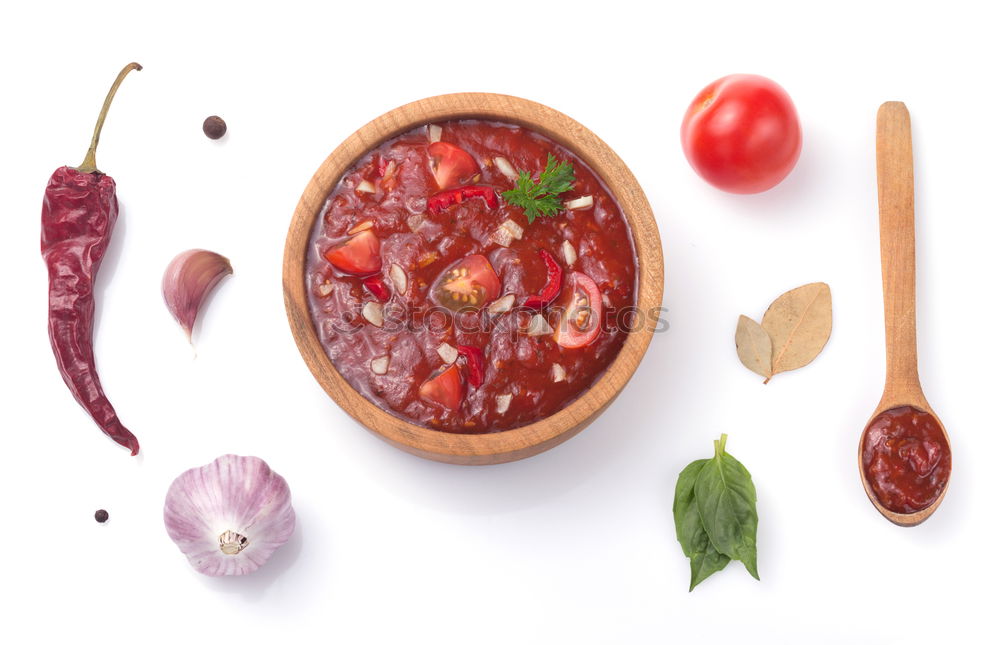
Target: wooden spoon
894 154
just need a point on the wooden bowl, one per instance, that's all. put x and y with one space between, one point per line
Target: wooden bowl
516 443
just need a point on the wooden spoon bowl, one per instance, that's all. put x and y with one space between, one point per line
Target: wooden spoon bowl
894 153
519 442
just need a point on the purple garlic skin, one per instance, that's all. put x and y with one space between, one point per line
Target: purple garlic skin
188 280
229 516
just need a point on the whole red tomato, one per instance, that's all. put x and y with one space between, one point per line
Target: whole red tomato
742 134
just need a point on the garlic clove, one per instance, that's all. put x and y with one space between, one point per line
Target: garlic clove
447 353
188 280
380 365
538 326
516 230
505 168
229 516
501 305
372 312
415 222
501 236
503 403
398 277
569 253
363 226
580 202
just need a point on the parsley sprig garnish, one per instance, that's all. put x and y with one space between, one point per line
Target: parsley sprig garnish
542 198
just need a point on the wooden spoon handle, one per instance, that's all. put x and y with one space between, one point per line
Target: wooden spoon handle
894 154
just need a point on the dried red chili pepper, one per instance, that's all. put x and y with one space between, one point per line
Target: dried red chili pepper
441 201
78 214
473 363
553 282
378 288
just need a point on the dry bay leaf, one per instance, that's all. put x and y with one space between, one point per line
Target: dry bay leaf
753 346
799 323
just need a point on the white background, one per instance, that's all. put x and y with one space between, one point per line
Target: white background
575 545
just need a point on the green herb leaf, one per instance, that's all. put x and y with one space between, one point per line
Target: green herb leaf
705 560
727 503
542 198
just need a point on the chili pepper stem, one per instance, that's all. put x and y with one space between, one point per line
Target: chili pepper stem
90 162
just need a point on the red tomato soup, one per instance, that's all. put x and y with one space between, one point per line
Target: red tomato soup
436 299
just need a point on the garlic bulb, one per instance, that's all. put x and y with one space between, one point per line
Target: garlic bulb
229 517
188 280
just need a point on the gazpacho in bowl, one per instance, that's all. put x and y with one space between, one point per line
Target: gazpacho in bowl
471 276
447 303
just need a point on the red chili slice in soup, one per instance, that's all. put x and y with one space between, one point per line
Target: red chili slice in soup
473 363
582 309
451 164
553 282
469 284
440 202
377 287
358 255
445 388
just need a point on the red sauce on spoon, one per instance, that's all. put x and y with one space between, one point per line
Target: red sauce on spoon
906 459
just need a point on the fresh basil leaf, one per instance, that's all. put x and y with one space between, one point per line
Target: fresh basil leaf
727 503
705 560
686 518
706 563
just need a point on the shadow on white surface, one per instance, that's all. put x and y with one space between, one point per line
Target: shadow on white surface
501 488
793 199
619 436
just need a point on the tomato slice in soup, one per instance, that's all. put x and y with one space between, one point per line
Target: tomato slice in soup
357 255
582 310
444 388
470 283
451 164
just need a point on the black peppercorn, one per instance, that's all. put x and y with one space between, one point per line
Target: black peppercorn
101 516
214 127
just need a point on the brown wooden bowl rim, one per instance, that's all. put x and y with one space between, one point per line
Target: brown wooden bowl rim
518 442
